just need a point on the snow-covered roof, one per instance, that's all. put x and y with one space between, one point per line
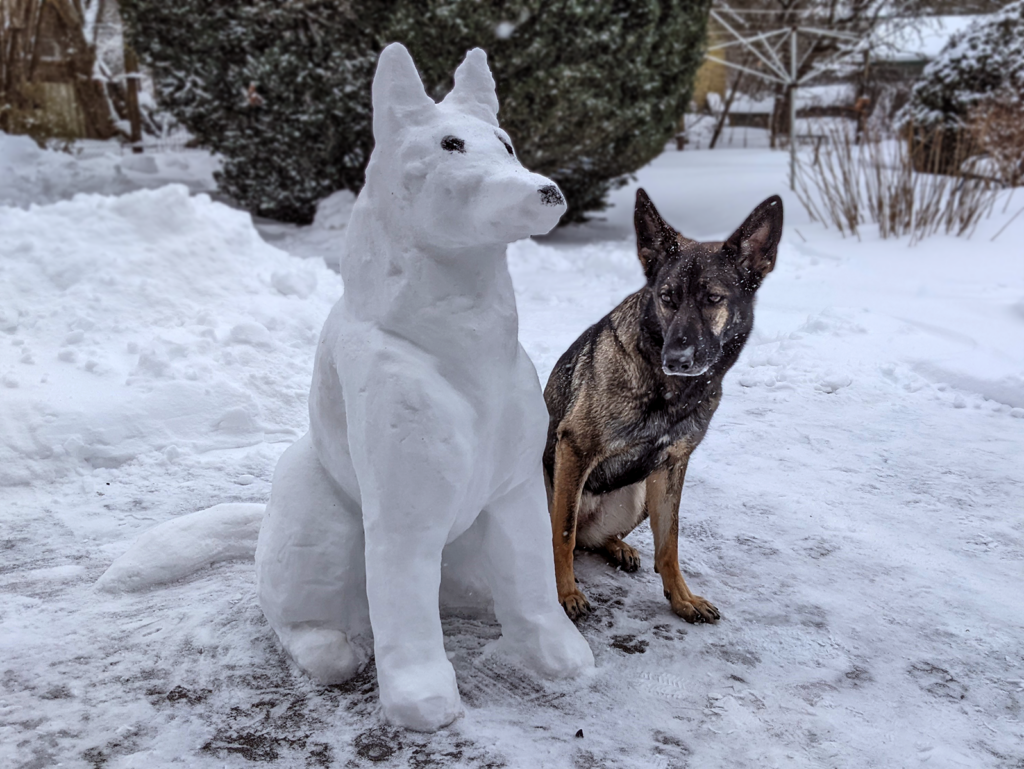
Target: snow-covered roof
918 40
837 94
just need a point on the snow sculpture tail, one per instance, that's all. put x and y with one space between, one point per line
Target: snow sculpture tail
182 546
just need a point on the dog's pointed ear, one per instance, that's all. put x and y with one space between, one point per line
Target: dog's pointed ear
474 92
398 96
755 244
656 240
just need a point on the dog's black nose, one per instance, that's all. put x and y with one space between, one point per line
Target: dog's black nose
679 362
550 195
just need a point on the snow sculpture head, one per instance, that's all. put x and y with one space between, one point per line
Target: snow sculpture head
453 171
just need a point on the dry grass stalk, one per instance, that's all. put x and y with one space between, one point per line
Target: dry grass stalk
874 181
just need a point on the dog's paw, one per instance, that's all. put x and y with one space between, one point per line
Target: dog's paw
575 604
622 555
694 609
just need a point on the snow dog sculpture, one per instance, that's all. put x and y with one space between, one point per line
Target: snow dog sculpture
427 424
427 421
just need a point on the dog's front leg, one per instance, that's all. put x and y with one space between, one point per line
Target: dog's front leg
664 489
571 472
522 583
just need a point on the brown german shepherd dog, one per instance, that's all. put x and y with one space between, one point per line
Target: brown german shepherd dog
632 398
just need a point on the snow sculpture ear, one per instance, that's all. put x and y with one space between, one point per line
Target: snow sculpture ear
474 92
398 96
755 244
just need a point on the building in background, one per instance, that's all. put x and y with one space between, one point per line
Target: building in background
878 85
62 70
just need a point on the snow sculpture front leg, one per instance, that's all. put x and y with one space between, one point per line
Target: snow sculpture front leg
521 575
408 435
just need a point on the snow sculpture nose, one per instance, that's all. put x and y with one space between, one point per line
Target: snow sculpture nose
551 196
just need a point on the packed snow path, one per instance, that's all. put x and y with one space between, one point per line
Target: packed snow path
856 511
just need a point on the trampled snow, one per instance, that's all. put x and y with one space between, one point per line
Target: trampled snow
856 511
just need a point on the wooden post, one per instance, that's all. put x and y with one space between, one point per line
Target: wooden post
10 87
792 108
13 68
131 70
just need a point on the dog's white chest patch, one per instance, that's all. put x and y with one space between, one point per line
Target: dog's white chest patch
610 515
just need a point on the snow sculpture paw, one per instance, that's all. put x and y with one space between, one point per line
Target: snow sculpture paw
324 654
555 648
422 697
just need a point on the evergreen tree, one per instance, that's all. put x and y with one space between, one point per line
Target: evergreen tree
590 90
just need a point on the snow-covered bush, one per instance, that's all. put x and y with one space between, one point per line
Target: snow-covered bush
589 91
984 60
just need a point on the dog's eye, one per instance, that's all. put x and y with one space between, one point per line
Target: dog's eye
715 298
453 144
666 299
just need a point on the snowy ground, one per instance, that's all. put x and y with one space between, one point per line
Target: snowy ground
856 512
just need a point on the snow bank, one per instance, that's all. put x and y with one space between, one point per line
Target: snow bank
840 94
324 238
151 322
29 174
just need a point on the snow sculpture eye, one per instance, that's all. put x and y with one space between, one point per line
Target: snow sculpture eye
508 147
453 144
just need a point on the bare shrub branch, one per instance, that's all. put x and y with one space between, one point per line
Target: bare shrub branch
875 181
